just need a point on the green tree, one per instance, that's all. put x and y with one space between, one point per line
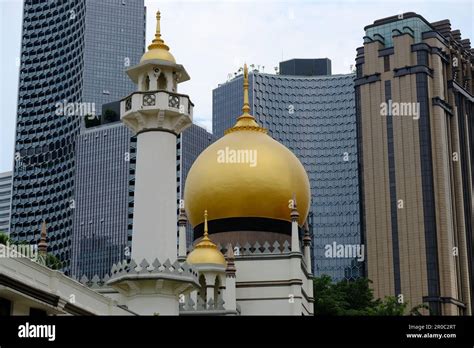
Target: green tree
91 121
327 300
5 239
110 116
415 311
48 260
357 295
355 298
389 306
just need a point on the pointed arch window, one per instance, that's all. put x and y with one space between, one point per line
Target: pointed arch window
217 291
162 82
147 83
203 289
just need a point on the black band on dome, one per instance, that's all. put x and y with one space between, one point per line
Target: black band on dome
244 224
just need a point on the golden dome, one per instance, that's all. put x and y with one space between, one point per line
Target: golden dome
206 252
236 190
158 49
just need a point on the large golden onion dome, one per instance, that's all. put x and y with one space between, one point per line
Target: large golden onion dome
260 189
206 252
158 49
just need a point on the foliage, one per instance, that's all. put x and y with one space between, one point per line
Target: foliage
416 310
90 121
355 298
110 116
389 307
49 260
5 239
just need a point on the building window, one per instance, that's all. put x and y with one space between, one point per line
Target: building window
35 312
422 57
162 82
147 83
386 63
359 70
5 307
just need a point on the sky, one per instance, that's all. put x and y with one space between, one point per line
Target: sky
212 39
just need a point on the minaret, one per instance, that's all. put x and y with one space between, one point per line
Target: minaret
43 245
307 247
211 263
182 220
156 113
154 280
295 242
295 263
246 120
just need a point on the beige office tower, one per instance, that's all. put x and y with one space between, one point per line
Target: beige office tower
415 110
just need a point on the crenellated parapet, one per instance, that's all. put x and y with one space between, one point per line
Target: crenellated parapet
167 270
200 307
257 249
157 110
177 270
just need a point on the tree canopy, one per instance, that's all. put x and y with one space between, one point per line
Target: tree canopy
48 260
355 298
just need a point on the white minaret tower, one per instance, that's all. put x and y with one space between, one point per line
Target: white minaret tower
156 113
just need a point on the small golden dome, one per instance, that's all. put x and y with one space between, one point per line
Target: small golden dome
206 252
241 190
158 49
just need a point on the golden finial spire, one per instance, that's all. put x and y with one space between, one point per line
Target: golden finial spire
205 241
246 106
206 234
158 49
246 121
158 41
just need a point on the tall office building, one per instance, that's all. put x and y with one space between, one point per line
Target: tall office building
71 53
415 110
306 67
190 144
104 193
5 201
314 116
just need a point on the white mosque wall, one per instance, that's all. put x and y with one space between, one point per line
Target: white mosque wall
273 285
28 274
155 221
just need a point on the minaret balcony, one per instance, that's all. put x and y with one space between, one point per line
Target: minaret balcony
157 110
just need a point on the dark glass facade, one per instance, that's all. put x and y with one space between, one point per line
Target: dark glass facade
306 67
72 52
114 41
101 189
5 201
104 191
315 118
190 144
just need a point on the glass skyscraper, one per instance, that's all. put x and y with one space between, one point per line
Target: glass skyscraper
72 52
190 144
5 201
102 192
314 116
